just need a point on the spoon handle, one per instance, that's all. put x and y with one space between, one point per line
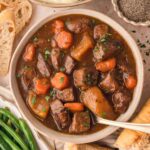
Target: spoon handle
133 126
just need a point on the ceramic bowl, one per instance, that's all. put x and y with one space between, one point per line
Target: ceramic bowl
59 5
120 14
66 137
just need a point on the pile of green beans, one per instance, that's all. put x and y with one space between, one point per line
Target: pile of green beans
15 134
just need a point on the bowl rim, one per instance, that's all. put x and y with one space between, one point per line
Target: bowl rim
120 14
50 133
62 5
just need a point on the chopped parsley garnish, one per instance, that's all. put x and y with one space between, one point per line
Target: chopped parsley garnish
96 48
27 67
35 39
103 114
61 79
85 124
102 40
52 93
62 69
105 39
33 100
62 54
18 75
44 109
47 54
47 98
91 78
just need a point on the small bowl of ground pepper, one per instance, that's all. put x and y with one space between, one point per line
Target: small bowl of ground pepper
135 12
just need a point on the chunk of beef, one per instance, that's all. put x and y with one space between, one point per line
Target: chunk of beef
69 64
56 58
106 50
78 25
123 63
60 114
82 47
83 78
78 76
100 31
27 75
81 122
54 43
42 66
121 100
94 99
66 95
38 105
91 77
109 84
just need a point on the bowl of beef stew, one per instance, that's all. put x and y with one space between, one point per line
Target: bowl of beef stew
72 66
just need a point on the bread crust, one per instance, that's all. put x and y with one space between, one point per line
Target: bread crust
69 146
22 12
7 36
134 140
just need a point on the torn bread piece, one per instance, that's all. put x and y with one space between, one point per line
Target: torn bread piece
22 10
134 140
7 36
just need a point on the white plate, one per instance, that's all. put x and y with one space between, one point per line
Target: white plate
7 101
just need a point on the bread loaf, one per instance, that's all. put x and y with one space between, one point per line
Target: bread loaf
134 140
7 35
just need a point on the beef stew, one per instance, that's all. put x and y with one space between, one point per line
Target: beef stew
75 67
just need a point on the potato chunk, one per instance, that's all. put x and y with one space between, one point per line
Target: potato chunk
97 103
82 47
38 105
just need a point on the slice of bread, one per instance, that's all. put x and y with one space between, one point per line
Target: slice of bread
2 7
134 140
9 2
7 36
69 146
22 11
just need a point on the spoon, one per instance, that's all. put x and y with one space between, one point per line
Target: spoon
133 126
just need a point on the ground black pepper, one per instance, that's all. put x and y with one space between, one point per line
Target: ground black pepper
136 10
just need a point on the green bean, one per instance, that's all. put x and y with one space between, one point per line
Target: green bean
1 115
4 118
8 114
9 141
28 134
16 137
4 145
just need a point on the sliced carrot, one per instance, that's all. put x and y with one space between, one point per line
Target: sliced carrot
60 81
74 107
42 85
130 82
58 25
105 66
29 52
64 39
